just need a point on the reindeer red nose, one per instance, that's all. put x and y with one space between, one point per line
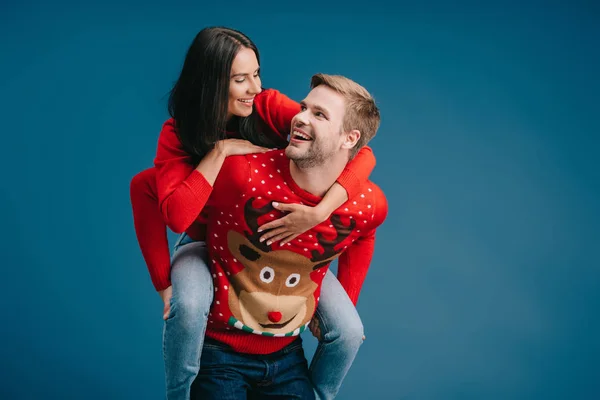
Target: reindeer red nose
274 316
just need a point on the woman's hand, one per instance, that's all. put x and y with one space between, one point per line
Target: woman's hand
166 295
314 327
299 219
237 147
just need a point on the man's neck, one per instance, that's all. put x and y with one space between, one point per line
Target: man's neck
319 179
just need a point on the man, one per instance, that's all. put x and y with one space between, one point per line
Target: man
265 296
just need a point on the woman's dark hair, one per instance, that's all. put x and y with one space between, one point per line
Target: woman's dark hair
199 98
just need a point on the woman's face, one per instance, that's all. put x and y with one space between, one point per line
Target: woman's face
244 83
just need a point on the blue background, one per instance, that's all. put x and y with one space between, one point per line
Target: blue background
486 281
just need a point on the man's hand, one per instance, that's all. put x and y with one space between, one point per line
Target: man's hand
166 295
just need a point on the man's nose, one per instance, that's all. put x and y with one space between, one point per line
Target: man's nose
301 119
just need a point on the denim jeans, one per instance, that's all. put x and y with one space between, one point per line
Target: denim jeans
184 329
229 375
183 332
341 337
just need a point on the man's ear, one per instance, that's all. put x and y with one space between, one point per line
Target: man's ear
351 138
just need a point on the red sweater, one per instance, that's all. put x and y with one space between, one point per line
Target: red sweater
266 295
175 193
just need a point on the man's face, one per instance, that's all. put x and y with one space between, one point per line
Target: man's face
316 133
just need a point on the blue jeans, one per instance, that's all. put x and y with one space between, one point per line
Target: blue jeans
183 332
228 375
184 329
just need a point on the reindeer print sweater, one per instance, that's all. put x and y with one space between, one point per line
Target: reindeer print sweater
265 296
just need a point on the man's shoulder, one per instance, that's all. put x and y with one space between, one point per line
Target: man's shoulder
274 155
269 159
370 191
370 205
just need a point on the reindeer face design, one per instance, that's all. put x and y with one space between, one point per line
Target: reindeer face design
274 293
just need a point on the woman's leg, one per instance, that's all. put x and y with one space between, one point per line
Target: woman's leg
341 337
184 329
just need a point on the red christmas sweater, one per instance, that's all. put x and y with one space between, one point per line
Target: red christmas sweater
181 192
265 296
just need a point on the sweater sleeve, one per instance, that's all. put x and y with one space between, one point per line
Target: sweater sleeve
182 191
231 183
150 229
357 171
353 264
276 110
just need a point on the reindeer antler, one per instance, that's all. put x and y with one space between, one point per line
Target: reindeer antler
252 214
329 245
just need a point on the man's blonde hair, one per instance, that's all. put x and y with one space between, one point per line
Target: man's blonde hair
361 112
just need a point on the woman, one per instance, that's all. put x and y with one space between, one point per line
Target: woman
218 108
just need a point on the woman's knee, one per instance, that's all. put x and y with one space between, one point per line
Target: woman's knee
350 328
192 283
338 317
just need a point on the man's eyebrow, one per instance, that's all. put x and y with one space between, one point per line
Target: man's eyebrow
323 109
315 106
244 73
